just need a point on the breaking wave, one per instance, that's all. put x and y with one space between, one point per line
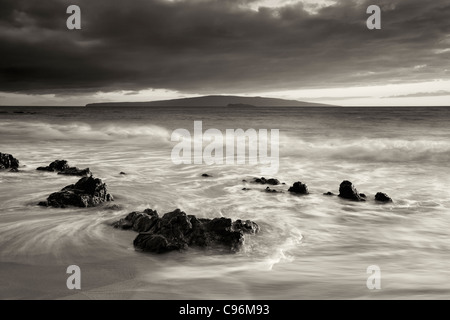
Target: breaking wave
80 131
367 149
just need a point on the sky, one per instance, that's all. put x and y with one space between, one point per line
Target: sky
147 50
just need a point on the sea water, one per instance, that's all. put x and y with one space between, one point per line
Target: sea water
309 247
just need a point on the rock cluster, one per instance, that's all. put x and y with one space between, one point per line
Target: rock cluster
177 231
273 182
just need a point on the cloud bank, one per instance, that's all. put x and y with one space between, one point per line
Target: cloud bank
214 46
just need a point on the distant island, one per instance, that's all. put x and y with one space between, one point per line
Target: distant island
213 101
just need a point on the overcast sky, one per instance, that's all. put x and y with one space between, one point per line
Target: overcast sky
143 50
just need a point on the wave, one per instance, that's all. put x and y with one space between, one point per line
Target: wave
367 149
81 131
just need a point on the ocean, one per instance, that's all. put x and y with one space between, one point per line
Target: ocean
309 247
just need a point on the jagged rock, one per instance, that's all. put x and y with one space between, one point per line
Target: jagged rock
154 243
299 188
348 191
247 226
57 165
138 221
177 231
62 167
382 197
87 192
7 161
273 182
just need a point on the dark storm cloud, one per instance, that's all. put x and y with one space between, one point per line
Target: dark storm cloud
214 46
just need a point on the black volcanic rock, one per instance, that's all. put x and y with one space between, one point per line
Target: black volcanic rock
138 221
273 182
87 192
348 191
7 161
62 167
177 231
57 165
76 172
299 188
382 197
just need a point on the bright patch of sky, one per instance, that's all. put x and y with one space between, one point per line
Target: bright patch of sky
311 5
431 93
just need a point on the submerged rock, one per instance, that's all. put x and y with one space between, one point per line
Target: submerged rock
273 182
299 188
329 193
87 192
76 172
113 207
273 190
382 197
62 167
7 161
57 165
205 175
348 191
138 221
177 231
